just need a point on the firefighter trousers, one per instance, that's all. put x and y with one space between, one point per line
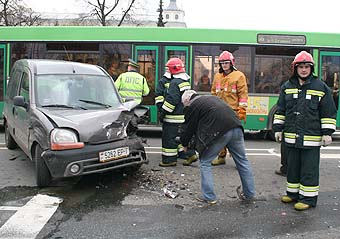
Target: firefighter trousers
303 174
171 147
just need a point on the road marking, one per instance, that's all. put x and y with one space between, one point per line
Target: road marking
29 219
9 208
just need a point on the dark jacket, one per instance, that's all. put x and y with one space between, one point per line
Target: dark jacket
172 105
207 117
305 112
161 91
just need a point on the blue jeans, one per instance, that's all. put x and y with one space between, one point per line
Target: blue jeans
234 140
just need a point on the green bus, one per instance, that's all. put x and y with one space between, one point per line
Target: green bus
264 56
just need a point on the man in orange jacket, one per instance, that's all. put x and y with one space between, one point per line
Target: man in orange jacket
230 85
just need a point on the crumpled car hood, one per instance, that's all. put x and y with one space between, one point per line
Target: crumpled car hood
93 126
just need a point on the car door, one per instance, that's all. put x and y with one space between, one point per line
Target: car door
9 109
22 119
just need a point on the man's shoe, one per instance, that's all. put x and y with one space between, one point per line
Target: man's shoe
210 202
300 206
171 164
279 172
218 161
287 199
243 198
190 160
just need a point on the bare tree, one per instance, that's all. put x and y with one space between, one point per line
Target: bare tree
14 13
104 10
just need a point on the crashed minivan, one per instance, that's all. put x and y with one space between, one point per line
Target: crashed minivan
69 119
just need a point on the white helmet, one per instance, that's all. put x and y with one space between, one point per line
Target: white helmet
186 97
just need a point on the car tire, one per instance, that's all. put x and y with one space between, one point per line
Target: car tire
10 142
43 175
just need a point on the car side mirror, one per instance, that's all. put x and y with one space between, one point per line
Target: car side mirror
143 114
19 100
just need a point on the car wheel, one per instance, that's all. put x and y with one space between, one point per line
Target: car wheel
43 175
10 142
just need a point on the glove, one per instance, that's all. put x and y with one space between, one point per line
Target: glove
278 136
241 112
326 140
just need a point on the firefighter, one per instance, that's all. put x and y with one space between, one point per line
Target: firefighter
131 85
161 90
230 85
306 117
172 116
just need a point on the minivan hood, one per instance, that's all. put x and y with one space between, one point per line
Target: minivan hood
93 126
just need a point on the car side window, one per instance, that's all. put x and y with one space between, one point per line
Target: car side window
13 84
24 89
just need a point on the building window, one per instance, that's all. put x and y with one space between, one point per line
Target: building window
176 17
167 16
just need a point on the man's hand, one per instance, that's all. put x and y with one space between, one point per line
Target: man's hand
326 140
278 136
185 149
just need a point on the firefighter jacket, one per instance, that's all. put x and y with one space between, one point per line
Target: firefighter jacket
161 90
232 89
305 112
132 85
207 118
173 106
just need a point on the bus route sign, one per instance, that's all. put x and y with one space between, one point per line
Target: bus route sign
281 39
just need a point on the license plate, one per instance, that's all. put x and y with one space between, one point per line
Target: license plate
113 154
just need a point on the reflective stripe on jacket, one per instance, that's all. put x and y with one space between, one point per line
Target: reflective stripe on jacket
173 105
132 85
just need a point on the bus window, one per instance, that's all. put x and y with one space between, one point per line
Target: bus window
78 52
115 58
203 73
2 75
147 63
206 63
273 68
21 50
177 53
330 70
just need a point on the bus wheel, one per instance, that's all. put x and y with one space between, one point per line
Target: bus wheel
42 173
10 142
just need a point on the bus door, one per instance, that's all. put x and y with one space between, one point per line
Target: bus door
181 52
3 78
147 58
330 73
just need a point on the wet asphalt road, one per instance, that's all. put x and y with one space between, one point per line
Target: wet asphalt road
124 205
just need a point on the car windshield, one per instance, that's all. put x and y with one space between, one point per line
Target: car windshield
75 91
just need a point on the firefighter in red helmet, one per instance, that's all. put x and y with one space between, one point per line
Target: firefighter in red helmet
230 85
306 117
172 114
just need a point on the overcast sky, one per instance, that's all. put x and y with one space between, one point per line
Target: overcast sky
290 15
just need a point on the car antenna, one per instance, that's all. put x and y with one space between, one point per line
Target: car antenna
68 57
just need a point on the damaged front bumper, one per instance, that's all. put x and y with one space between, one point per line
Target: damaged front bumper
86 160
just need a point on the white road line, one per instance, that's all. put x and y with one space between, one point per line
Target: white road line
28 221
9 208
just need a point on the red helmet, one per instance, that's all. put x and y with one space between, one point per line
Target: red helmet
303 57
226 56
175 66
